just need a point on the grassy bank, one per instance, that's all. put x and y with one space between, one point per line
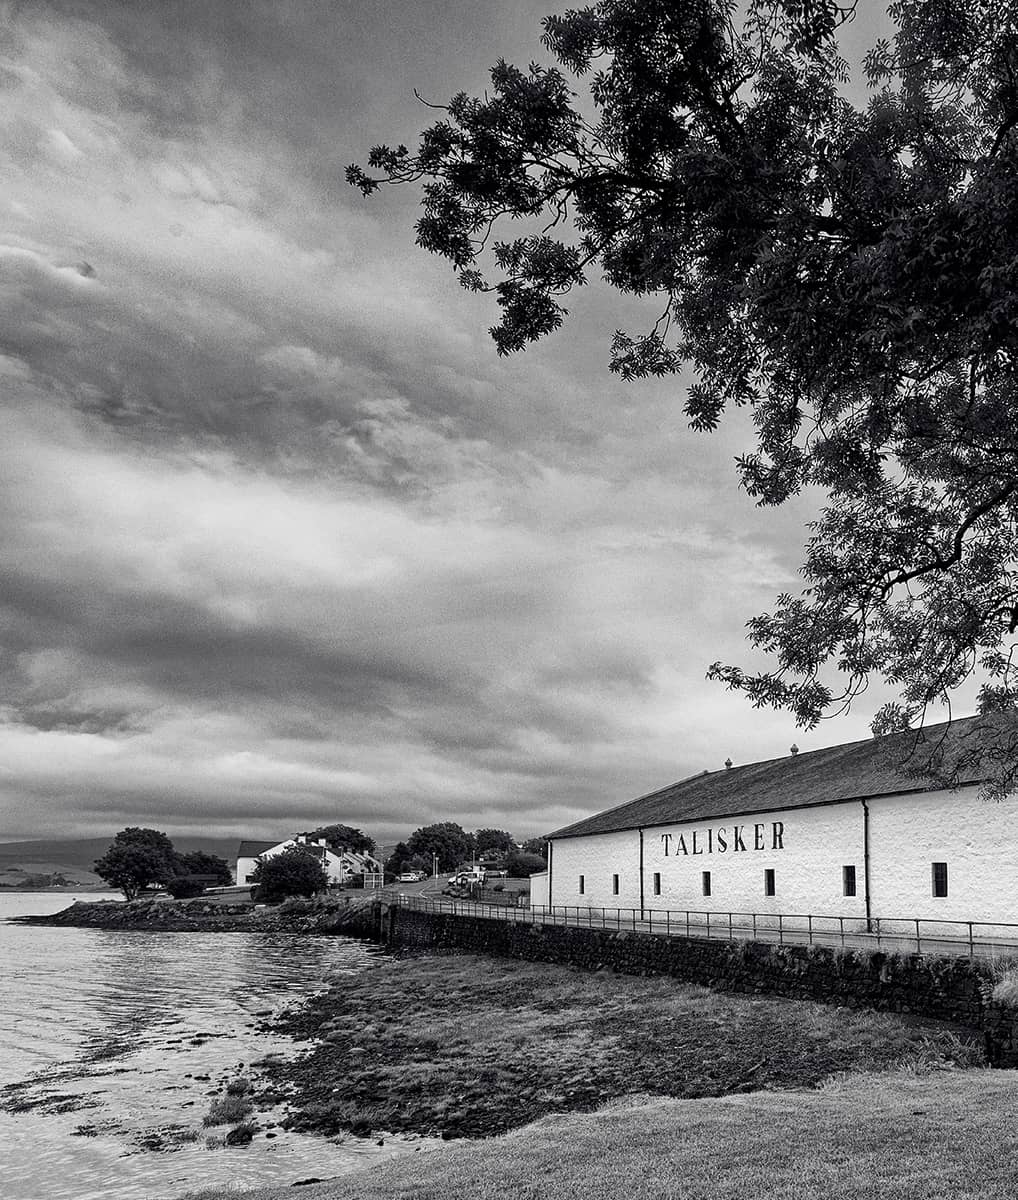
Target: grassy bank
461 1045
949 1135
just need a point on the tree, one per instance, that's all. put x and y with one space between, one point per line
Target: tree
197 862
497 840
449 841
337 836
136 860
846 270
397 860
295 871
535 845
521 864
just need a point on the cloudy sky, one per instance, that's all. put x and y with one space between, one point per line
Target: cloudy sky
282 540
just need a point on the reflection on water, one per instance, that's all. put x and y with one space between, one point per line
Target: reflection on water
112 1043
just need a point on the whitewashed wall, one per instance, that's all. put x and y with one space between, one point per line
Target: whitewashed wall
807 849
245 867
977 839
597 859
539 890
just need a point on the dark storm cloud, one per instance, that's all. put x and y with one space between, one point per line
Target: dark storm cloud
283 540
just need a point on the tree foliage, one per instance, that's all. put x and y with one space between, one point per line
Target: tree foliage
137 859
535 845
849 271
295 871
198 862
449 841
498 841
344 836
521 864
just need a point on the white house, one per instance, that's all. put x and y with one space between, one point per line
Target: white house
339 866
840 832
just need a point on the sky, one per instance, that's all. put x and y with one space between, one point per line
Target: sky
283 541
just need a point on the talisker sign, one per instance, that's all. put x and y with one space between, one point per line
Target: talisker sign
725 839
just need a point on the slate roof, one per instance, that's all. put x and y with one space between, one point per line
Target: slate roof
253 849
858 770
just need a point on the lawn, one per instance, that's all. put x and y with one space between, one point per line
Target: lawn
903 1135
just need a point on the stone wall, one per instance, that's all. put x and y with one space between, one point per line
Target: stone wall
950 989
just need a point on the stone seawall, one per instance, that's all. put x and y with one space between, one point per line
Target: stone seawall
950 989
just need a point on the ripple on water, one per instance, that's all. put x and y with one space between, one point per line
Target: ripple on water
112 1044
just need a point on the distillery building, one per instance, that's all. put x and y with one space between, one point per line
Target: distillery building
886 829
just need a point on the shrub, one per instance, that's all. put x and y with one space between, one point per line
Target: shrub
183 887
295 871
1005 990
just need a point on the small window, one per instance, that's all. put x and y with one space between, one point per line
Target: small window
657 883
769 881
940 879
615 885
848 880
582 885
706 883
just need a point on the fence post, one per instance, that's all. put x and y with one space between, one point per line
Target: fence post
809 925
754 927
841 924
971 947
730 938
918 943
708 926
687 922
634 920
781 930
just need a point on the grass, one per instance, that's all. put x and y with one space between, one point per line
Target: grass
950 1135
226 1110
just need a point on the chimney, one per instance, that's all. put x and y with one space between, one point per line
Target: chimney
728 764
321 841
794 749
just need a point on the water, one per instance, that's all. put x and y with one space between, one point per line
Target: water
112 1044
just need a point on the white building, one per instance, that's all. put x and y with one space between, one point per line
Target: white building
839 832
339 866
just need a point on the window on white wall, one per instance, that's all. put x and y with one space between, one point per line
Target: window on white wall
582 885
848 880
657 883
615 885
939 879
706 883
769 881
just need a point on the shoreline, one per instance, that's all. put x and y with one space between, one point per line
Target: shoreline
336 915
457 1045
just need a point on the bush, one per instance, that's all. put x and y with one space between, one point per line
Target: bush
183 887
295 871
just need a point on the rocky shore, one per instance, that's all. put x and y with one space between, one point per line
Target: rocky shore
340 914
458 1045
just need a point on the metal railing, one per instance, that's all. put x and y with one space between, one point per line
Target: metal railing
912 935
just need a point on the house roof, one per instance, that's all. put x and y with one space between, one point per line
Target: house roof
253 849
938 756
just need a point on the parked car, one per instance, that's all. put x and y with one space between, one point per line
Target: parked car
411 877
463 878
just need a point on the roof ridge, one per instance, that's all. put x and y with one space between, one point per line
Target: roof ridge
804 784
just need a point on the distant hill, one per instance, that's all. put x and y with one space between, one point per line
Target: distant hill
73 857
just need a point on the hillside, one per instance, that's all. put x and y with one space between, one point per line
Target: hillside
72 858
